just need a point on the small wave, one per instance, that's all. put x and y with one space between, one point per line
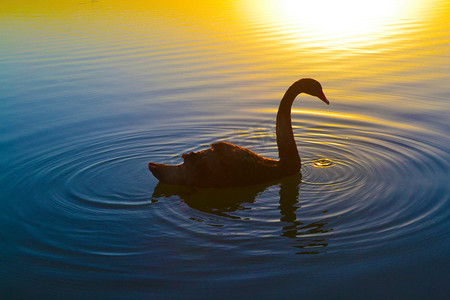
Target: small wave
361 187
357 182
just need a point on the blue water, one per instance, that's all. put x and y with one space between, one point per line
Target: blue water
92 92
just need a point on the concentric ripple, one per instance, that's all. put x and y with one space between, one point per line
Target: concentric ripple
78 200
361 187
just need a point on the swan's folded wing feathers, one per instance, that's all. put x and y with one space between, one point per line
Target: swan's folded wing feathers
223 146
193 156
224 164
224 149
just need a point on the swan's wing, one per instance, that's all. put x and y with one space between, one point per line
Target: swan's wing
233 152
225 164
223 151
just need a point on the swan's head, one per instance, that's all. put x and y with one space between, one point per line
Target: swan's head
312 87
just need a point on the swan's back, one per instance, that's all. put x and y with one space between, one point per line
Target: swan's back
223 165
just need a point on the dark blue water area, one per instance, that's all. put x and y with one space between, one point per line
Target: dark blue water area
82 217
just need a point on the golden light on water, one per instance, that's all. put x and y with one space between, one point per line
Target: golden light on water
322 163
337 23
334 24
341 18
337 116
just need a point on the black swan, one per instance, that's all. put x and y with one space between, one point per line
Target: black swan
228 165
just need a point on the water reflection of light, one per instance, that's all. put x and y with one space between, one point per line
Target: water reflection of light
339 116
322 163
336 22
340 18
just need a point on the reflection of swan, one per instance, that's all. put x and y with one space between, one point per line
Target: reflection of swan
308 236
222 202
227 165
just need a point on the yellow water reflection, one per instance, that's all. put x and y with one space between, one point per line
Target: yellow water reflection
246 43
336 116
336 24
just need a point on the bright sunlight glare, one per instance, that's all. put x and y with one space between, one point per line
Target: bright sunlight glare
333 20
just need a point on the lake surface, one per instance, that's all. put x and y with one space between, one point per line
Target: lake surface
91 91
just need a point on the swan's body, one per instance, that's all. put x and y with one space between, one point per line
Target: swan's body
227 165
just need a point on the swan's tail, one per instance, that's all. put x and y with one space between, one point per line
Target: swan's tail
156 169
168 174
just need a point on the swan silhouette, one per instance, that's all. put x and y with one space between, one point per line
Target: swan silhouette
228 165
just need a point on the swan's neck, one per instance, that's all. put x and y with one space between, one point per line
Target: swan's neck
287 148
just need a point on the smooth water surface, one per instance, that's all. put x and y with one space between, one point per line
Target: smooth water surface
91 91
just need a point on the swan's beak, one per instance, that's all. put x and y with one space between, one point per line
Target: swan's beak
323 98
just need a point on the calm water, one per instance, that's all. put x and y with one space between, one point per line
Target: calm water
91 91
